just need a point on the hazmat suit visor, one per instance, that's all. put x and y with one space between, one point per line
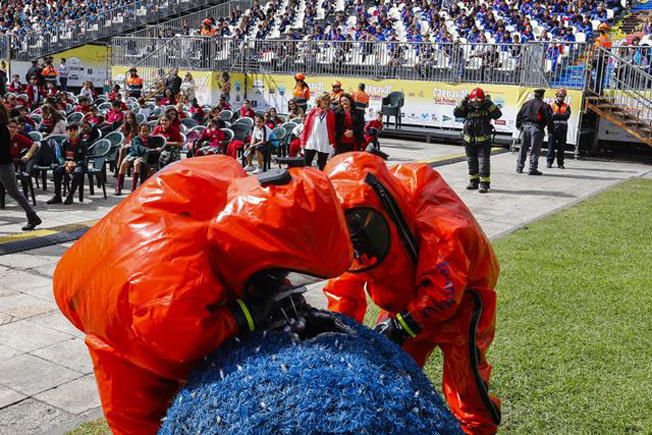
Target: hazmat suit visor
370 238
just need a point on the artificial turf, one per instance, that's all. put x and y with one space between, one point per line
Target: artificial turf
573 347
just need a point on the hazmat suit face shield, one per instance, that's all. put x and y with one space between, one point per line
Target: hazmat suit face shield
475 103
370 238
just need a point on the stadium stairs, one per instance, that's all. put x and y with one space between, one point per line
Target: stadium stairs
625 100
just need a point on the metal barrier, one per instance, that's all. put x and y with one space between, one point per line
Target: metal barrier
533 64
104 24
186 24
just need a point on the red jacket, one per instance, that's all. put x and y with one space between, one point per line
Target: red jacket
310 119
32 97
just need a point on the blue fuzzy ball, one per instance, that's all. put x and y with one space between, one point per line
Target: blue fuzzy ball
336 382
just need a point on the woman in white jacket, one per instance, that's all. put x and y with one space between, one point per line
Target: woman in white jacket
318 134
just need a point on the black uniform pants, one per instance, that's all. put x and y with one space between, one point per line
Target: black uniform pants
77 176
477 157
556 146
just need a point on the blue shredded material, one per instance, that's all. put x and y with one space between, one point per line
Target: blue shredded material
269 382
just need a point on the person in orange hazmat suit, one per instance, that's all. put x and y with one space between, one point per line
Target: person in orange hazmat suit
182 265
426 263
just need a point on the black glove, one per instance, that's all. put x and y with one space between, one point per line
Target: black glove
250 316
398 328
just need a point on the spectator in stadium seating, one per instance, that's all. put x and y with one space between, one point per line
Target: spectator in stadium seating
223 104
94 117
52 123
135 157
62 72
196 111
34 71
211 140
294 111
22 148
15 85
259 144
8 131
301 92
318 135
88 91
35 93
88 132
168 98
273 116
188 86
171 134
175 121
246 111
115 91
144 108
294 148
114 118
372 131
83 106
71 163
181 113
349 127
51 90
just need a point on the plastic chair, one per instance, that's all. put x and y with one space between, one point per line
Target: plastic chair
75 117
189 123
47 157
226 115
104 106
36 118
391 106
101 150
36 136
244 121
140 118
152 124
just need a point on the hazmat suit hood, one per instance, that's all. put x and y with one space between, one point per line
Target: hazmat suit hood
357 178
151 280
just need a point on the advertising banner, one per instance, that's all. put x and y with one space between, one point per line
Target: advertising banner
88 62
426 103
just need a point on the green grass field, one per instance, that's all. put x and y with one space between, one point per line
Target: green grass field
573 348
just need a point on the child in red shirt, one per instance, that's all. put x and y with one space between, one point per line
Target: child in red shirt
210 141
372 131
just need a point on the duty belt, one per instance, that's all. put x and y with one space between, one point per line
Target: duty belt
469 138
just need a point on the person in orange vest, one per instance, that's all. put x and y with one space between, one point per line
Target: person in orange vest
336 93
134 84
301 92
600 62
561 112
49 73
361 100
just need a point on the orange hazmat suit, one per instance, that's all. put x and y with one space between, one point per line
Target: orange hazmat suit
435 274
152 282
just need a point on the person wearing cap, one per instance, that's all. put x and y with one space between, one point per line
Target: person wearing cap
602 44
561 112
534 116
360 100
134 84
301 92
336 93
478 110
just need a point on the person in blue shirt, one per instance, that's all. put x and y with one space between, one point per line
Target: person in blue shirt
569 37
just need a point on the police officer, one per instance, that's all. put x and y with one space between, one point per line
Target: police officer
478 111
561 112
134 84
360 100
534 116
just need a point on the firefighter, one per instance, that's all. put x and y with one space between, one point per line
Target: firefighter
534 116
478 110
602 44
361 100
301 92
561 112
423 259
187 262
336 93
134 84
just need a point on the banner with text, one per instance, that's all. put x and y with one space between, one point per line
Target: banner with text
426 103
